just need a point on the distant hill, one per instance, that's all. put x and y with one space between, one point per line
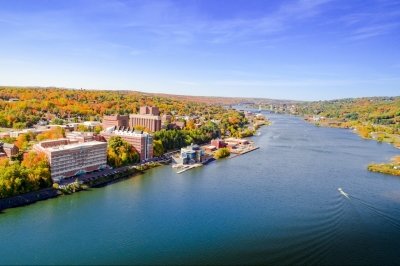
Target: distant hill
225 100
189 98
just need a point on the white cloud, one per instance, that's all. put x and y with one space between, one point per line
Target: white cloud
366 32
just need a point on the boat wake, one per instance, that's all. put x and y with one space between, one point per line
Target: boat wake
306 243
382 214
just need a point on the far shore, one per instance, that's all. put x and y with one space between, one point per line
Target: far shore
389 168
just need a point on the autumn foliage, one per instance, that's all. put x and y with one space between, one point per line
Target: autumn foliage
31 174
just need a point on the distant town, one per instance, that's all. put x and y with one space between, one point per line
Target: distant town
57 141
66 155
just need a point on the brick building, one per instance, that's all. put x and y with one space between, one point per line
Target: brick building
142 142
218 143
80 137
150 122
68 160
148 117
115 121
149 110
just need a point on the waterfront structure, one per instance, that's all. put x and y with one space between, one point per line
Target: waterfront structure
218 143
236 141
141 141
210 148
148 117
115 120
67 160
192 154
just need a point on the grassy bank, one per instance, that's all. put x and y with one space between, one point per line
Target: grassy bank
391 168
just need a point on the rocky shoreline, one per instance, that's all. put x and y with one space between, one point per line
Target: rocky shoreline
28 198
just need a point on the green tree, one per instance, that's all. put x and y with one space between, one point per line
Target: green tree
120 152
222 153
158 148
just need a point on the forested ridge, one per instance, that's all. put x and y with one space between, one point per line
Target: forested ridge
33 104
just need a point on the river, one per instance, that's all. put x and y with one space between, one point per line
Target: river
277 205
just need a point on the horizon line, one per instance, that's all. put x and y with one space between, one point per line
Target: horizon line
189 95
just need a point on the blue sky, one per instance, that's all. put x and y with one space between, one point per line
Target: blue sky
305 49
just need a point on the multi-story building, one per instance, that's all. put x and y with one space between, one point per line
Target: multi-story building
149 110
115 121
148 117
67 160
142 142
192 154
80 137
150 122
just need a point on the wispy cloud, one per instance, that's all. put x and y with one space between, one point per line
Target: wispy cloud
366 24
366 32
191 28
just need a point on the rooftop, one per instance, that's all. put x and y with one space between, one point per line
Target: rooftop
75 146
145 116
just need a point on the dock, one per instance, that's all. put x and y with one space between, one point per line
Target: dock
244 152
189 167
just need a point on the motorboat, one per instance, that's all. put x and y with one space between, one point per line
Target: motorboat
343 193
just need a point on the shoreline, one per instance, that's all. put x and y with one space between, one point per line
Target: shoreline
28 198
88 181
49 193
387 168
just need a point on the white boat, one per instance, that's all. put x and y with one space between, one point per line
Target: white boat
343 193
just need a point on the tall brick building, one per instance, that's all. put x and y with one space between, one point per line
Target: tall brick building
115 121
148 117
142 142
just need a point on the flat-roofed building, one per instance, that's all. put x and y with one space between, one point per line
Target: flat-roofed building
142 142
192 154
150 122
148 118
118 121
80 136
67 160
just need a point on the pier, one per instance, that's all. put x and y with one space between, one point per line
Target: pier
189 167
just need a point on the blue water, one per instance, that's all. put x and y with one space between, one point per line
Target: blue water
277 205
